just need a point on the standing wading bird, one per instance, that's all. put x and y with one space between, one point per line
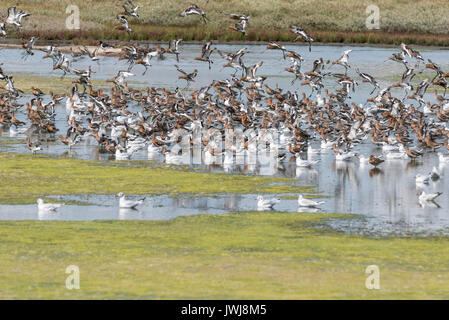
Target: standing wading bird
375 161
301 33
194 10
189 77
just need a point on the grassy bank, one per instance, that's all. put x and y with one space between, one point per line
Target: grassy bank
26 177
412 21
238 256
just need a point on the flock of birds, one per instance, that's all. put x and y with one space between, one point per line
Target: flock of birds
126 120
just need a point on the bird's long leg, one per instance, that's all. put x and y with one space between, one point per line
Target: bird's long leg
434 78
146 68
131 65
405 97
310 46
311 92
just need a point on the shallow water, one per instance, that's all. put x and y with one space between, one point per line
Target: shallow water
386 198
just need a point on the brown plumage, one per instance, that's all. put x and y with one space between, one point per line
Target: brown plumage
375 161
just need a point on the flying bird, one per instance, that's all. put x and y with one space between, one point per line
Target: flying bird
194 10
301 33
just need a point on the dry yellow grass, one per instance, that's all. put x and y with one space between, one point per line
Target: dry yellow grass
269 20
349 15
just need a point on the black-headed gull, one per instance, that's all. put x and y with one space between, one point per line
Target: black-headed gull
305 163
345 156
396 156
303 202
41 206
423 196
263 204
422 179
128 204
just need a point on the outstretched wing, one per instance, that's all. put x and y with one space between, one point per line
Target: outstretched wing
204 49
180 70
11 12
235 16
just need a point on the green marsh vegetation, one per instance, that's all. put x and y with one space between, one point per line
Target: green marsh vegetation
256 255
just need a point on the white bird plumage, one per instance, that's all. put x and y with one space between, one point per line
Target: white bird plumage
266 203
423 196
422 179
47 206
305 163
303 202
128 204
